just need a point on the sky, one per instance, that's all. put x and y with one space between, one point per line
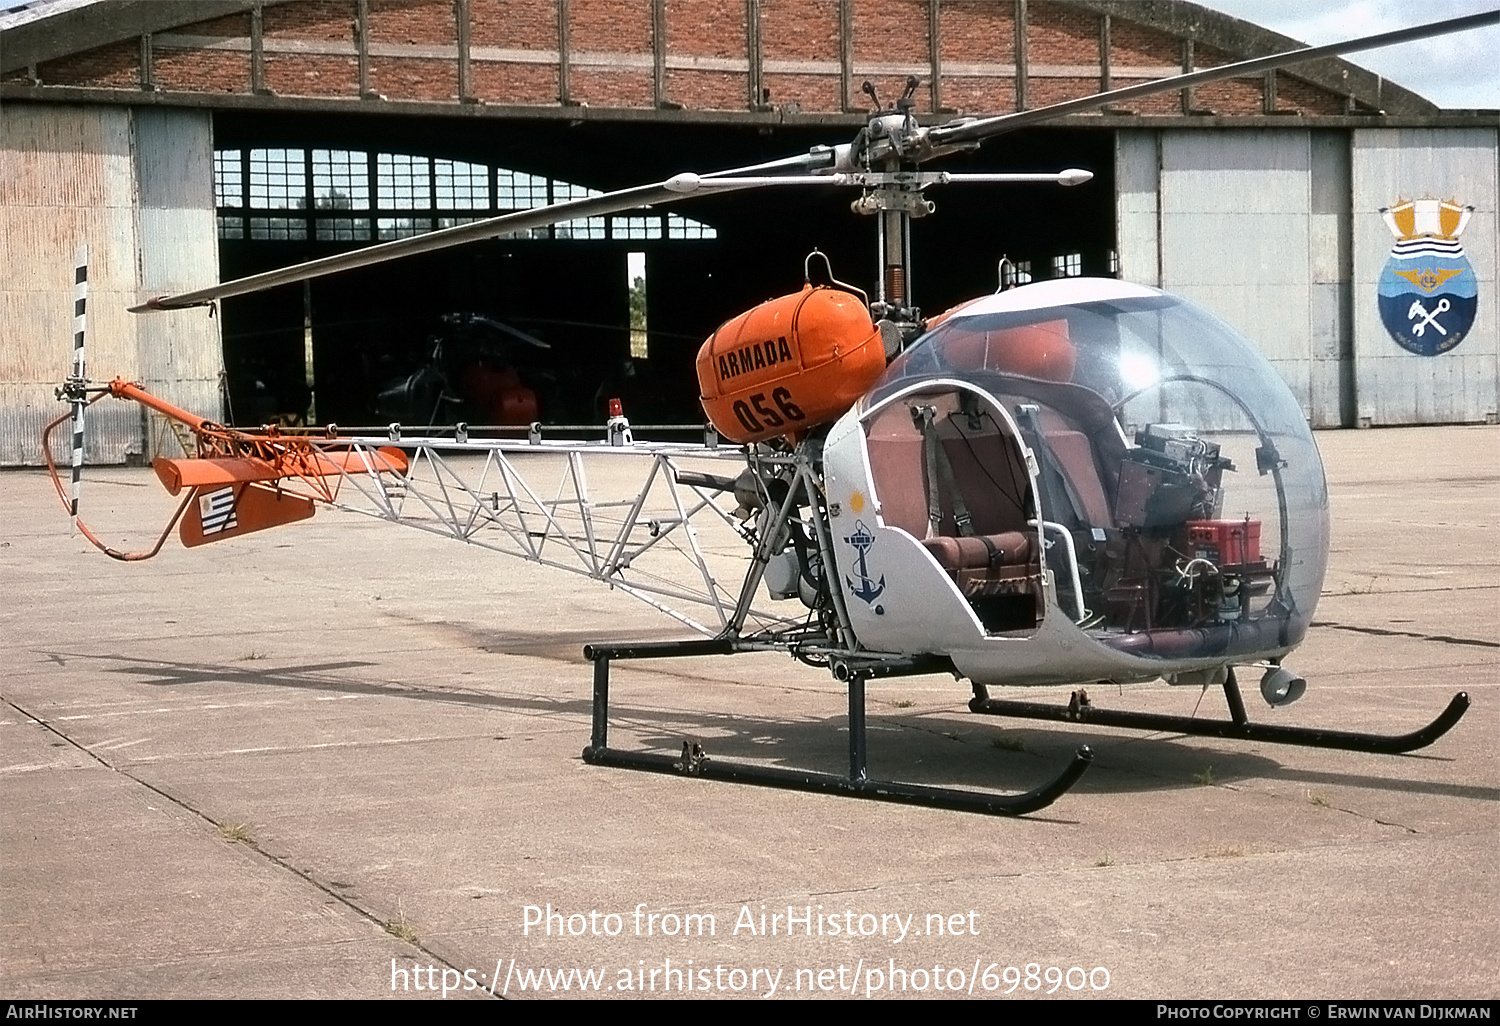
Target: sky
1460 70
1452 71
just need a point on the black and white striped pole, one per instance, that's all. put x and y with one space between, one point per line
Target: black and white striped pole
77 382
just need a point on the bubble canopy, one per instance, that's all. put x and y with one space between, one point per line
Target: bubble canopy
1135 369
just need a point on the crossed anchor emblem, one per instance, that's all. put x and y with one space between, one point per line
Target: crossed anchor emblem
1418 310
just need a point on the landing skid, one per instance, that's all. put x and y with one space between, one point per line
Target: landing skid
1237 727
696 763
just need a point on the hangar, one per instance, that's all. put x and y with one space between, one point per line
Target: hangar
191 141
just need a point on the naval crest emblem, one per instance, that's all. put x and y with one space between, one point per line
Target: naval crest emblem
1428 292
867 589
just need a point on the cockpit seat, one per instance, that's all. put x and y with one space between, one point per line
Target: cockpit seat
987 564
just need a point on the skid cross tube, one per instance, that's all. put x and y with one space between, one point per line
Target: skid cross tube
694 762
1238 727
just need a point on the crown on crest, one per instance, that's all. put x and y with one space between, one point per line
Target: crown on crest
1426 219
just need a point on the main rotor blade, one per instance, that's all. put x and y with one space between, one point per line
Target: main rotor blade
975 131
591 206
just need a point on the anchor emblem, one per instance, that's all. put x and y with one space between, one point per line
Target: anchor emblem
1418 310
868 590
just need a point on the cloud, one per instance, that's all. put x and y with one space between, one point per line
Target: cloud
1452 71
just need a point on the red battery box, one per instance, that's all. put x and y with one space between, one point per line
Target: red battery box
1225 542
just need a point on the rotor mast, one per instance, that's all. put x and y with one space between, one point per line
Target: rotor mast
895 198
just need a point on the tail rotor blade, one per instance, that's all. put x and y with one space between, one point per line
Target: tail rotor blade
78 379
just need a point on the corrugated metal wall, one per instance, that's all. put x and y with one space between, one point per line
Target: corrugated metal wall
1278 232
137 188
180 353
1397 387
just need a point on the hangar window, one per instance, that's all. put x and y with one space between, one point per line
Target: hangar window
402 186
342 229
679 227
341 180
461 186
278 179
516 190
403 182
635 227
401 227
1067 265
229 179
283 228
583 227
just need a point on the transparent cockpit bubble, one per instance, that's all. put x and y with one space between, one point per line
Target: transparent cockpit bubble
1131 367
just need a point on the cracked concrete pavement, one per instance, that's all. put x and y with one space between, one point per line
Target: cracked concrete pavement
315 760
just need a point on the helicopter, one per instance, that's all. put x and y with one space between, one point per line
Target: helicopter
1068 483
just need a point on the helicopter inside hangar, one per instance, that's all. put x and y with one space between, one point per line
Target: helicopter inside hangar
290 189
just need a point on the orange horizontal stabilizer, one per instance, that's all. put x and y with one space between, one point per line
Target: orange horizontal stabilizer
209 473
231 510
387 459
215 471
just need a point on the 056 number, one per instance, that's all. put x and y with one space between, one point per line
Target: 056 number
785 410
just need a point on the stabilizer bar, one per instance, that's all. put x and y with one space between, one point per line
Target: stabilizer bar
1238 728
695 762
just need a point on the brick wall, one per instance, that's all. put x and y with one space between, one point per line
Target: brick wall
800 32
514 25
311 49
201 71
1236 96
308 74
708 28
890 31
313 19
117 66
412 21
610 30
799 29
294 75
524 84
414 79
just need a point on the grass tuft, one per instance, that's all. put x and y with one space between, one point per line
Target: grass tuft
1105 860
1206 778
401 930
1008 744
236 833
1318 799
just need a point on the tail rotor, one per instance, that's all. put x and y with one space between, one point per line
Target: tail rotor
78 381
76 392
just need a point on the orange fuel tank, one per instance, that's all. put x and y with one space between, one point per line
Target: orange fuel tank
789 364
